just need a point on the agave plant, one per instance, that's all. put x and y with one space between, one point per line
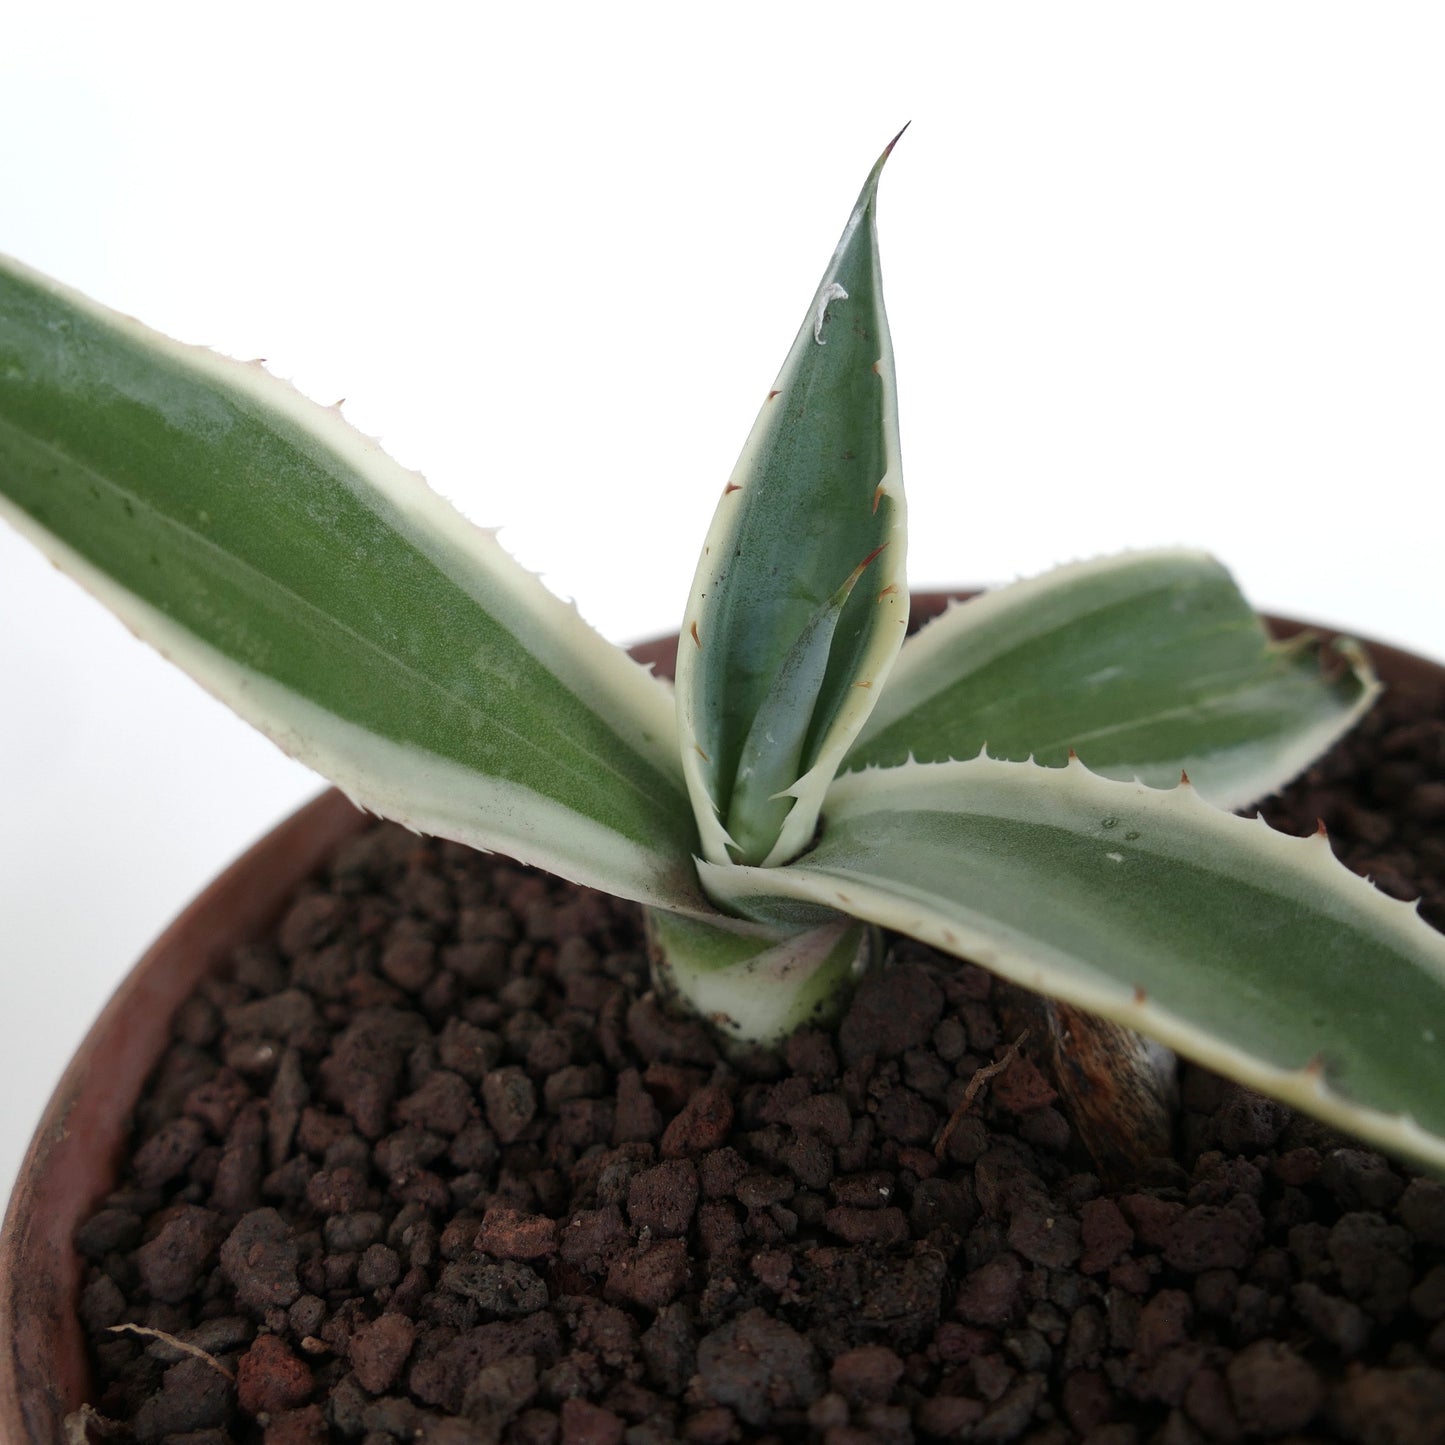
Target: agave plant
1006 785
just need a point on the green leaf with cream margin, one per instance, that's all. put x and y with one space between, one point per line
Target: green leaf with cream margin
1143 664
1252 952
816 494
334 601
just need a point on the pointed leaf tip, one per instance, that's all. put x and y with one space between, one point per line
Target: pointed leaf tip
870 186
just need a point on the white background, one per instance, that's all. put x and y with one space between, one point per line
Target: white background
1157 274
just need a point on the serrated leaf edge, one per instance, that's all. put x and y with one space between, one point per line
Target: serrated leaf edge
545 623
1305 1087
1272 767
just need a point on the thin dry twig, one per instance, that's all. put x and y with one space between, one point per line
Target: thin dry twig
980 1077
79 1423
171 1340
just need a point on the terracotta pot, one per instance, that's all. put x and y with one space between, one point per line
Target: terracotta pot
75 1157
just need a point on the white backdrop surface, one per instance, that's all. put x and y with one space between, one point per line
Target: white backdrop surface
1157 274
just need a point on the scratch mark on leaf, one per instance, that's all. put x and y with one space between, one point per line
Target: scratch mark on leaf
831 292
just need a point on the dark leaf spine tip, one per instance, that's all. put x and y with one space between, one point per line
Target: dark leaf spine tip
888 149
879 492
730 488
1073 756
772 394
693 632
1184 779
1140 997
1320 830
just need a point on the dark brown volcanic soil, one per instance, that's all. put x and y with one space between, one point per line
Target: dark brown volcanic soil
433 1165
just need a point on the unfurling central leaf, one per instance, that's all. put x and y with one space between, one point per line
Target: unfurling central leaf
771 758
789 632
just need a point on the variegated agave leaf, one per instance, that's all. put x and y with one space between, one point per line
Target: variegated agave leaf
1144 664
774 629
1253 952
333 600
